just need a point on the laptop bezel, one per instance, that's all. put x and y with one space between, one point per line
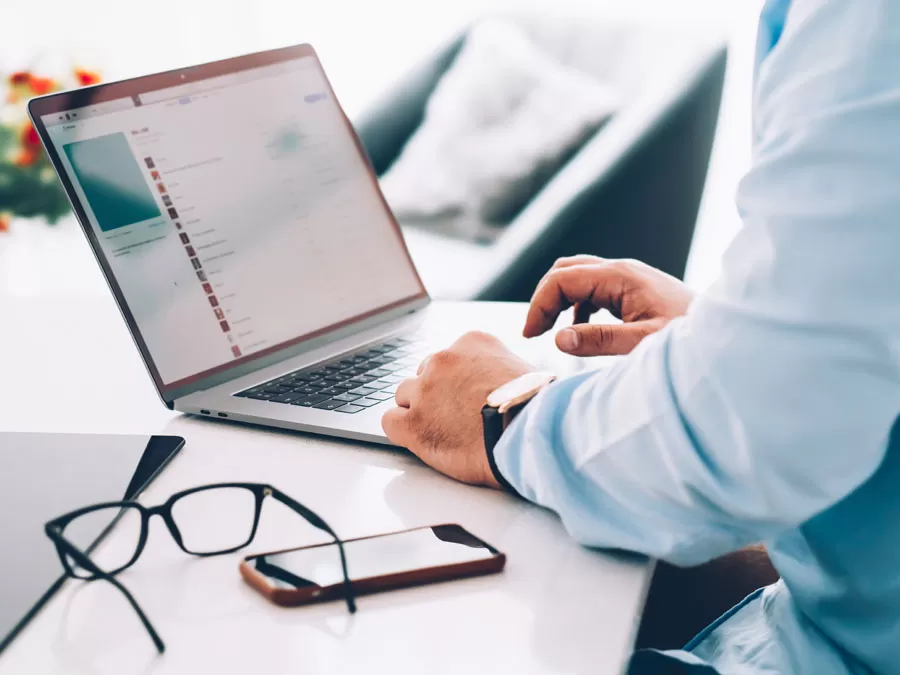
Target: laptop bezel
64 101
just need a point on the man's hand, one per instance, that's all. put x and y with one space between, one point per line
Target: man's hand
438 416
642 296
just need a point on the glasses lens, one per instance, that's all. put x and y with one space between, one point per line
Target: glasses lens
215 520
118 550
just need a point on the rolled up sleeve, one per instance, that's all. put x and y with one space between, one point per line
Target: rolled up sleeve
774 396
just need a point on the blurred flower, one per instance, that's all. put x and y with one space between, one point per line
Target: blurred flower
30 138
42 85
26 157
86 77
29 186
19 78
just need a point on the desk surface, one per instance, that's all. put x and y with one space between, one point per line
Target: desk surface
68 365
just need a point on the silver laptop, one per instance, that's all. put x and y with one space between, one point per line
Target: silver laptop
243 233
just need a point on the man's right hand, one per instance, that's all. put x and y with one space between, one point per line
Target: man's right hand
642 296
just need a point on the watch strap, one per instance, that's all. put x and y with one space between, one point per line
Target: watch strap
493 423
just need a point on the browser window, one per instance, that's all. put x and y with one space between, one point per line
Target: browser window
236 214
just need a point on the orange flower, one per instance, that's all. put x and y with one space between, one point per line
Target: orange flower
30 138
20 78
25 157
86 77
4 222
42 85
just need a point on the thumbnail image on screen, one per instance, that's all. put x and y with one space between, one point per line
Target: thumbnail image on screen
112 182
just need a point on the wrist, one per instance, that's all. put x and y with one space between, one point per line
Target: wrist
500 408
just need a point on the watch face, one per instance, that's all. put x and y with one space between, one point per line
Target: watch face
520 389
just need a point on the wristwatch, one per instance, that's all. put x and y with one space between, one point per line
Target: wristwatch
501 407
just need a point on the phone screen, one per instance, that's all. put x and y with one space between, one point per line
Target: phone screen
373 557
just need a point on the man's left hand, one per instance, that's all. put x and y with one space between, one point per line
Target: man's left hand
438 413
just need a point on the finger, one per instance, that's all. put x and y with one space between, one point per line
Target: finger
603 339
423 365
598 284
407 393
396 425
571 261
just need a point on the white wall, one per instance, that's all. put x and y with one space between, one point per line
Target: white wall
364 46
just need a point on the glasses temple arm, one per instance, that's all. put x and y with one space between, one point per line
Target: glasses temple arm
160 645
316 521
84 561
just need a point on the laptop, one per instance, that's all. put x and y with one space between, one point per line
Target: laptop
242 231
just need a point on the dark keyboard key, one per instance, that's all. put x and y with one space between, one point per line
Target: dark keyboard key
281 378
367 402
381 396
331 391
344 386
359 358
309 401
309 388
363 391
379 372
360 380
285 398
379 361
330 405
259 395
346 397
349 408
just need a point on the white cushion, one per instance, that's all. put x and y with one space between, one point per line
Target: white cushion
501 119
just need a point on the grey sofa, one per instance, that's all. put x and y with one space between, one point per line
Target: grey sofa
632 191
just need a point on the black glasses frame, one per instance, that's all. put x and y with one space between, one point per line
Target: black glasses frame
69 553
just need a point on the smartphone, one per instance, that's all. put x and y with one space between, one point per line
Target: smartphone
379 563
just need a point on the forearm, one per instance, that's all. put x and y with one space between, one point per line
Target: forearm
717 433
774 397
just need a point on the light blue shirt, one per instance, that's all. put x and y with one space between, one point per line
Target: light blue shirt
766 413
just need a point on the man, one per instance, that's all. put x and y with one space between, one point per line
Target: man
760 412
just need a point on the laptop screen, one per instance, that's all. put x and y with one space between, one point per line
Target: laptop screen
236 213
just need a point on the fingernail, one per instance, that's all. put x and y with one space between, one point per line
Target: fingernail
568 340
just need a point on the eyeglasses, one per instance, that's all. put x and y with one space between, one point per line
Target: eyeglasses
190 517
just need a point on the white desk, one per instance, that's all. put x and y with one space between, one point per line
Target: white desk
67 365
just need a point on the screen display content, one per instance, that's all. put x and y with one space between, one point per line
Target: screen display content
236 214
436 546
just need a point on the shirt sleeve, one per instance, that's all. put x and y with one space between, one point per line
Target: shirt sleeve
774 396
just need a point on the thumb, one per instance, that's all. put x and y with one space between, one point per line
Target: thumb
604 339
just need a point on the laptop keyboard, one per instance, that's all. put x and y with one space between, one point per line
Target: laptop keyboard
348 385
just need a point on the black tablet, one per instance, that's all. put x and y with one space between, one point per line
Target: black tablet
43 476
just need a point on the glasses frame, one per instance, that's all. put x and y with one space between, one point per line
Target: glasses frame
68 551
